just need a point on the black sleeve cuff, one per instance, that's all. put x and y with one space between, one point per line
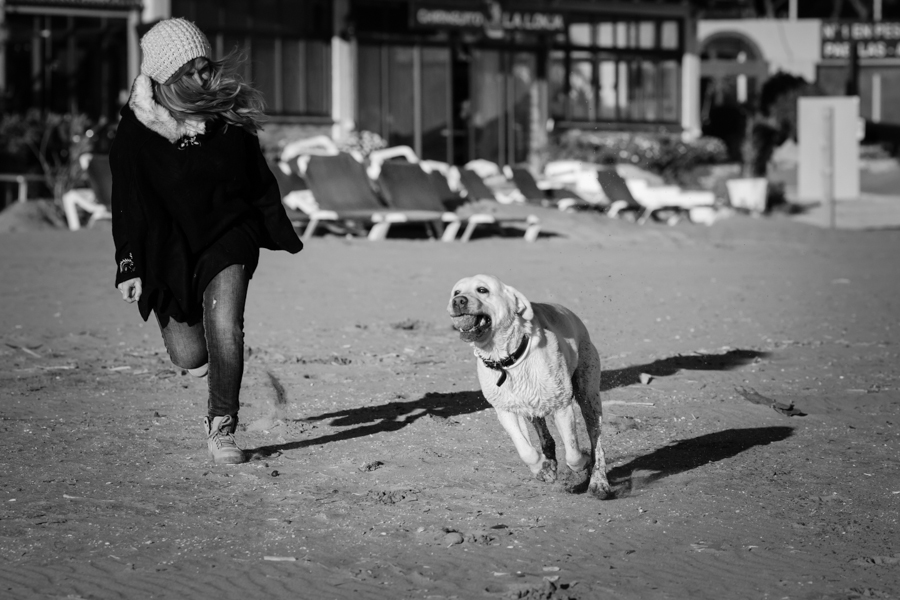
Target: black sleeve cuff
126 269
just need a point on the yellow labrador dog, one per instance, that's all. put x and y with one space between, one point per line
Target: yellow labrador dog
534 360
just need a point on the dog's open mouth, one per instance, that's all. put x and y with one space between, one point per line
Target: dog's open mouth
471 326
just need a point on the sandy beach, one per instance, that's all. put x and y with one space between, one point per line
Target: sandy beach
378 470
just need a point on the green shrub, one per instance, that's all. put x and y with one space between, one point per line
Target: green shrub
778 103
666 155
54 141
775 122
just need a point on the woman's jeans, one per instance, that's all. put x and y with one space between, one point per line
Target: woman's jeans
218 339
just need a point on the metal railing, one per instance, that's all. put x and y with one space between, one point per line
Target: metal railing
21 180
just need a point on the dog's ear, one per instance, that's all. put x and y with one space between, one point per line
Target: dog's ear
523 306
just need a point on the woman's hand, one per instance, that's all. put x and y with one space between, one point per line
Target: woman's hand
131 290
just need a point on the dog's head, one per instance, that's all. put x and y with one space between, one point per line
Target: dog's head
482 307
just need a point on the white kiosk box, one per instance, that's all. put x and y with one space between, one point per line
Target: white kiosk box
828 136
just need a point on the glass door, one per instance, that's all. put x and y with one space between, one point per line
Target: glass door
404 96
504 105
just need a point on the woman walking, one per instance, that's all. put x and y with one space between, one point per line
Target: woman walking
193 202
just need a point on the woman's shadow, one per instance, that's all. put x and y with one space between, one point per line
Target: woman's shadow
384 418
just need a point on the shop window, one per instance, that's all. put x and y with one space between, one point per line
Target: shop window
670 89
649 110
580 34
625 89
632 35
66 63
263 67
668 34
641 35
621 34
400 94
637 90
390 104
608 99
647 35
605 35
618 71
556 84
581 89
435 102
370 93
288 44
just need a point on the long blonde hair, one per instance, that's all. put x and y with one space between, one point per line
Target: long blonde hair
208 89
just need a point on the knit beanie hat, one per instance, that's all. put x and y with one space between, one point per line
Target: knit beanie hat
169 45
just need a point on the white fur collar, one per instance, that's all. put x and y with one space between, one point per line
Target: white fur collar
155 117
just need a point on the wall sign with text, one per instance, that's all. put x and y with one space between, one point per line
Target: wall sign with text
872 39
488 16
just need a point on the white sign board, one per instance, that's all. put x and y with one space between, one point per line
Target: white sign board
828 137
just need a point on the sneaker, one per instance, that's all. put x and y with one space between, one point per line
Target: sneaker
220 441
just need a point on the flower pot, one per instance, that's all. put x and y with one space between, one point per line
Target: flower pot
748 193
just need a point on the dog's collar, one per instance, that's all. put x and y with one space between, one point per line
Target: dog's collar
501 365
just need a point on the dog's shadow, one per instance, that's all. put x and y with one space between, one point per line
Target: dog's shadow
393 416
733 359
385 418
689 454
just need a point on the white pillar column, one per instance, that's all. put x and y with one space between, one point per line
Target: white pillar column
343 75
690 80
155 10
876 97
3 36
134 45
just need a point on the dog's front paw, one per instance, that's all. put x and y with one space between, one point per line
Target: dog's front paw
547 472
575 482
599 489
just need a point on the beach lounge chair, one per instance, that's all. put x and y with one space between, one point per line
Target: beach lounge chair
295 194
492 178
580 177
647 201
559 197
440 182
669 198
343 192
96 200
475 187
406 186
378 157
621 202
320 144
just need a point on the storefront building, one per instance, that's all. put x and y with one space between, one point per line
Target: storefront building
465 80
841 57
66 55
863 59
454 79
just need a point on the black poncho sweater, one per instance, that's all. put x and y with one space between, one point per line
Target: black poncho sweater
177 190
